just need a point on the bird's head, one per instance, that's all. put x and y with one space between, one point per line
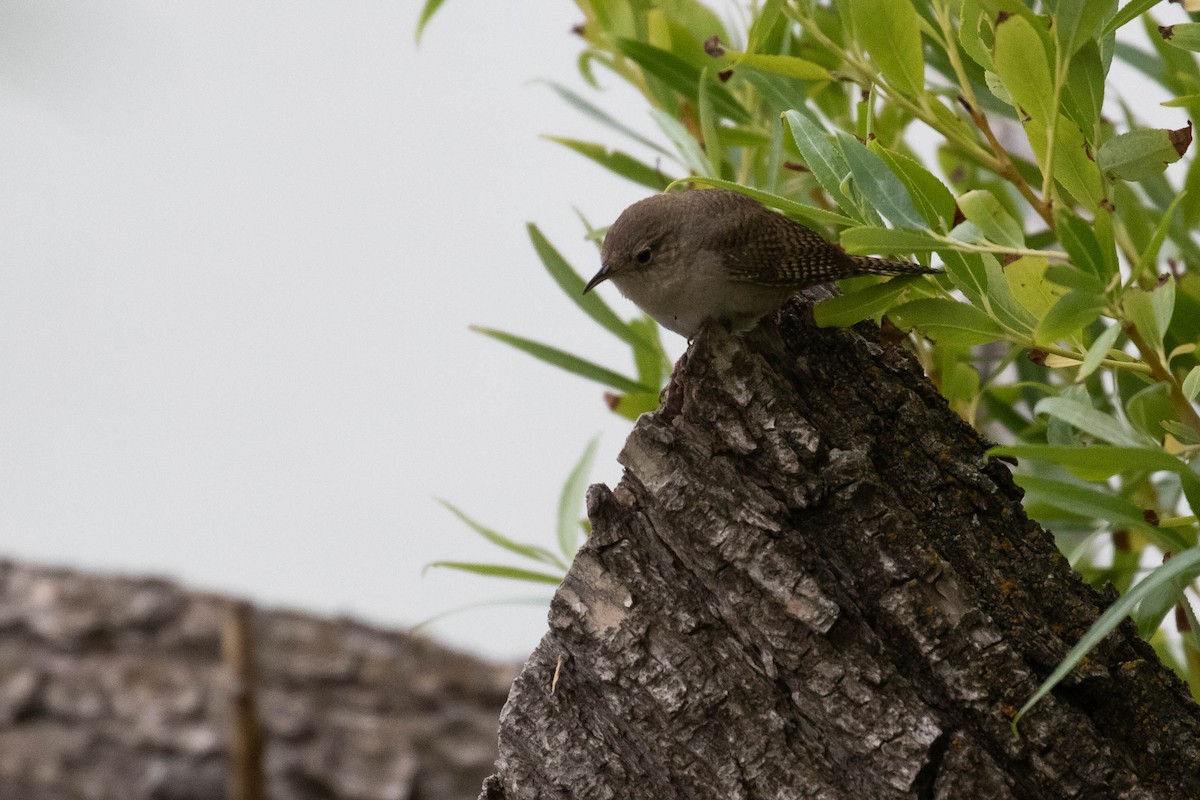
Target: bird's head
644 235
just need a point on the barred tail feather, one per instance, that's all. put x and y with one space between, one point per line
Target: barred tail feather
882 266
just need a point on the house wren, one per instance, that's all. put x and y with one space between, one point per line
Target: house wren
714 254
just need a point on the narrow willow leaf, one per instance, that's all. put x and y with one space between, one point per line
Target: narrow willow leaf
1080 243
1100 462
1185 36
530 551
878 184
572 283
1068 276
1083 94
1069 315
1128 13
1020 59
708 124
585 106
890 32
1098 352
826 161
1143 153
810 214
1191 384
1145 312
928 193
500 571
1091 420
565 361
868 240
570 501
968 273
632 405
1001 303
986 212
853 307
1183 101
975 32
1076 22
948 322
1183 566
1150 252
1086 501
427 11
787 66
618 162
682 77
1149 408
688 148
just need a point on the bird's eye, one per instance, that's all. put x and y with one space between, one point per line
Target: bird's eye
644 255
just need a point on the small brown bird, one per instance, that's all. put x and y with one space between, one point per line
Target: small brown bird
704 254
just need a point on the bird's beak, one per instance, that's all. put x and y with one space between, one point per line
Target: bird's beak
606 271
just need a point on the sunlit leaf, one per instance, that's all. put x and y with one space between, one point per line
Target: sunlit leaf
570 501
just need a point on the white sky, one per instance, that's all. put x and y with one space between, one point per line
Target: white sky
242 245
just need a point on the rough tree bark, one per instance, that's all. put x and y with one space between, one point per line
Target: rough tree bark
811 582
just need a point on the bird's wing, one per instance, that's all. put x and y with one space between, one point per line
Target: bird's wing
772 250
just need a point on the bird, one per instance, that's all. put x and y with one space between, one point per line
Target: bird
690 256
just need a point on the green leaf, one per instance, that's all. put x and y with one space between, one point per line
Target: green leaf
1128 13
890 32
708 124
565 361
686 145
1086 501
1000 302
1185 36
570 501
500 571
572 283
632 405
810 214
427 11
1150 311
928 193
1183 101
1091 420
1143 153
1083 94
883 190
1019 58
787 66
853 307
868 240
1080 243
1098 352
1077 21
682 77
968 274
824 160
1029 285
1070 314
618 162
1183 567
1150 252
948 322
1191 384
982 208
530 551
604 118
1101 462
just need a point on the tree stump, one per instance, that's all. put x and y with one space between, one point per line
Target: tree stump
812 583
